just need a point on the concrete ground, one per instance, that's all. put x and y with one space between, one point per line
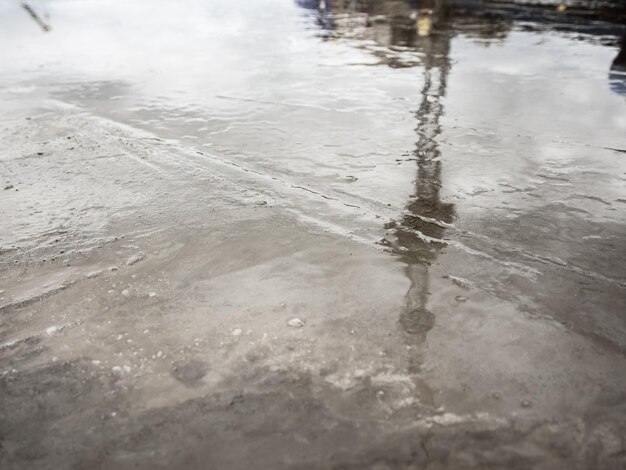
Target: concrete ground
252 240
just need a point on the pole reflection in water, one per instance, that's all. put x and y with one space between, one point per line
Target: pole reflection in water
421 228
418 234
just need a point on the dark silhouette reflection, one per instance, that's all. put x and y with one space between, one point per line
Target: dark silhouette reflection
620 60
617 73
322 11
399 24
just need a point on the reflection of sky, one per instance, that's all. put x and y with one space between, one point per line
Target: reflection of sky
536 104
293 103
250 80
541 83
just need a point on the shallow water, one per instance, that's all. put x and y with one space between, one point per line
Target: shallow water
457 199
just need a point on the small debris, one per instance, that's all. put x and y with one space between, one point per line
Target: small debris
113 268
459 281
159 354
460 298
527 404
125 293
135 258
52 330
152 294
383 242
8 186
236 332
260 202
189 372
296 323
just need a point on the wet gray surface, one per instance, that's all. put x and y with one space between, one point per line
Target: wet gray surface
445 212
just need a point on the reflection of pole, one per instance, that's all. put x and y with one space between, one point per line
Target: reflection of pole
416 320
418 231
35 17
426 214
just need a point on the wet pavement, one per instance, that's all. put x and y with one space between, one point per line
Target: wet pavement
440 199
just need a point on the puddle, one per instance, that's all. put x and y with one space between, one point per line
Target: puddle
436 195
